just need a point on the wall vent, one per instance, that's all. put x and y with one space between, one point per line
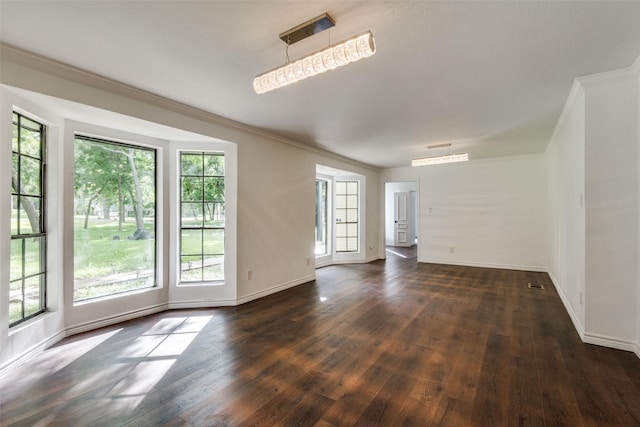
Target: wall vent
536 286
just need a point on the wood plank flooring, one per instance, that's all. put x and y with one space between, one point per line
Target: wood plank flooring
390 343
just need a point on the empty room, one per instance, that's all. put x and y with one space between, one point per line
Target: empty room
319 213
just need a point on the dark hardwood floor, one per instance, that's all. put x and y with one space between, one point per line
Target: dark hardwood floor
388 343
402 252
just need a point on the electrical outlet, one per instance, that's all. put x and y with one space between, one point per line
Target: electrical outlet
452 249
580 297
308 261
249 274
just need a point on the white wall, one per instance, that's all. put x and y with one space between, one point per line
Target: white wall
275 195
493 213
636 68
611 193
566 207
276 215
594 239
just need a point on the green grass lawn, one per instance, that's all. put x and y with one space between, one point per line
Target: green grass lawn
97 253
103 250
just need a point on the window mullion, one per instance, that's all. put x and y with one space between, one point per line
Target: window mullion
25 158
199 240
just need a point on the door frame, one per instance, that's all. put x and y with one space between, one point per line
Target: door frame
333 175
390 187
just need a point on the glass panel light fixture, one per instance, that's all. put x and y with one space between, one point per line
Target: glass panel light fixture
437 160
343 53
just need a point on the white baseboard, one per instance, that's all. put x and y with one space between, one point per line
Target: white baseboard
372 259
350 261
589 338
32 352
483 265
111 320
176 305
611 342
324 264
272 290
565 301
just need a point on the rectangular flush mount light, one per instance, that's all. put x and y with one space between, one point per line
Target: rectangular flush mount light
438 160
449 158
343 53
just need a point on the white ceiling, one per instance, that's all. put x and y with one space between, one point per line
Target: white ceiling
489 77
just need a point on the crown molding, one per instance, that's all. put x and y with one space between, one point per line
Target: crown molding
626 73
77 75
576 93
636 66
578 87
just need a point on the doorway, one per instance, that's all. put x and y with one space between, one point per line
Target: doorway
401 218
340 216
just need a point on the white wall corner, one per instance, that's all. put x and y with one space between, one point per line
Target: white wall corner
466 263
565 301
31 352
606 77
577 91
112 320
274 289
635 68
372 258
610 342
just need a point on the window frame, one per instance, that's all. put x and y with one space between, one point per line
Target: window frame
181 227
42 234
347 222
327 217
127 143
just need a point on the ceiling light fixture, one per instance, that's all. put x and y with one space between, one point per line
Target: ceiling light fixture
343 53
438 160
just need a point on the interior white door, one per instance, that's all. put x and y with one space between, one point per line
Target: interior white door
402 219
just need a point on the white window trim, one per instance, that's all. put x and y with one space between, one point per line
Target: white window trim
97 310
326 259
205 294
39 330
332 175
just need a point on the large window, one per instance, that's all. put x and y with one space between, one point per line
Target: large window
346 212
202 213
28 236
114 218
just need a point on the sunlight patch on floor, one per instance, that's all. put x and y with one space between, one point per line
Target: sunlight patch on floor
396 253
